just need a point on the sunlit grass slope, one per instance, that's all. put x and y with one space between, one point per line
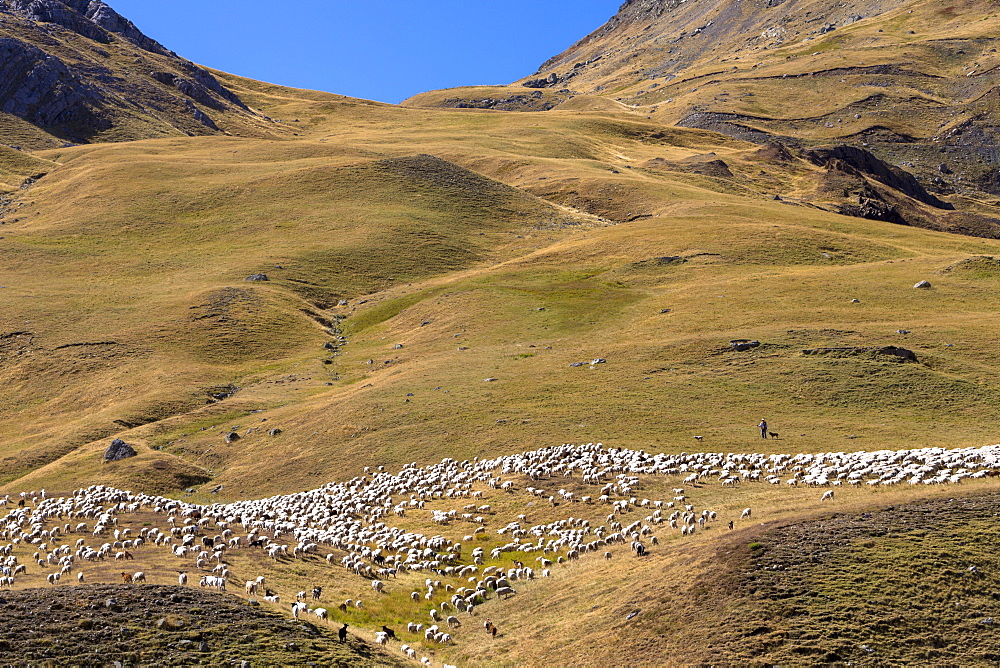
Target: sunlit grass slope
412 254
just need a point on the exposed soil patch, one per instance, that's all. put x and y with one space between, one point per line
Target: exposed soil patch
159 625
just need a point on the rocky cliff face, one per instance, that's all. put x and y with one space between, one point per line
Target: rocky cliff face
80 71
42 90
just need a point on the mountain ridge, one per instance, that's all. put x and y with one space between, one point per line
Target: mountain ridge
80 72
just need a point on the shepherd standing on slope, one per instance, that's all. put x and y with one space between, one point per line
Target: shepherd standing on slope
763 428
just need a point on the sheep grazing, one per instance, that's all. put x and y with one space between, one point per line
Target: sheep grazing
453 621
375 549
827 496
182 578
79 576
139 577
505 592
389 632
324 615
342 632
126 578
381 638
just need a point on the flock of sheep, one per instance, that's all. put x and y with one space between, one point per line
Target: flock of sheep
350 524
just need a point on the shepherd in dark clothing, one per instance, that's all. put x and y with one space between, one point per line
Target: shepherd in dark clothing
763 428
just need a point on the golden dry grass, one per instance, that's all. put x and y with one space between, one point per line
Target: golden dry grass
455 266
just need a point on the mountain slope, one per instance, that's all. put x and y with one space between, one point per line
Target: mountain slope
76 71
912 81
362 289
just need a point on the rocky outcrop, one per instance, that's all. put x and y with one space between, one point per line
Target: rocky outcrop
873 208
69 14
847 158
113 22
42 90
74 95
534 101
201 87
93 20
119 450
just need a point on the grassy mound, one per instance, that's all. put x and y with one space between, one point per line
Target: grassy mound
913 583
163 625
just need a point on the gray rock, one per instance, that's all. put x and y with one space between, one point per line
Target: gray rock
107 18
41 88
923 285
257 277
232 437
119 450
67 14
273 432
202 118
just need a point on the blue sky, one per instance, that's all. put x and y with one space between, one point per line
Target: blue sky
384 50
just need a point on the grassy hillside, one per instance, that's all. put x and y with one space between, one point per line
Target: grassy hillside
411 254
461 283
